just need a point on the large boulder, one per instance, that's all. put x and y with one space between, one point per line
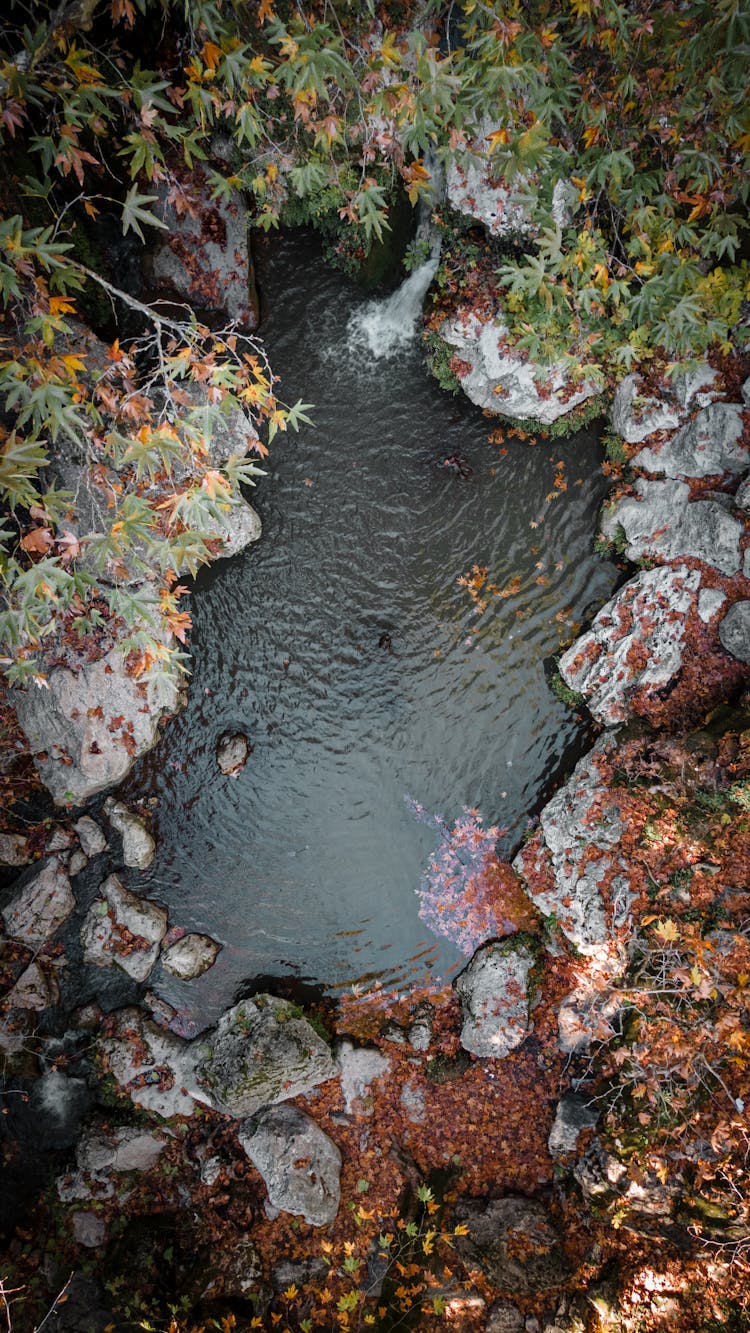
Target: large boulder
152 1067
636 641
494 991
39 904
709 445
203 256
565 864
86 730
263 1051
660 522
514 1242
502 379
475 185
124 929
300 1165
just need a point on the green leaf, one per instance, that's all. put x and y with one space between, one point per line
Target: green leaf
134 212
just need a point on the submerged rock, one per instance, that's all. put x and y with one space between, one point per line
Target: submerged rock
39 907
495 999
232 751
501 379
191 956
659 521
77 748
636 641
152 1067
138 846
124 929
709 445
571 855
514 1243
734 631
300 1165
262 1052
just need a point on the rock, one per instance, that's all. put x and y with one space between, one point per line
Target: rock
138 846
38 908
475 186
73 720
707 446
413 1101
710 600
77 862
420 1032
494 999
153 1067
585 1016
204 256
572 1117
358 1067
635 415
261 1052
746 392
734 631
498 378
742 497
299 1164
90 836
35 989
124 929
60 840
14 849
237 529
604 1178
636 641
124 1148
232 751
564 864
89 1230
191 956
234 1274
660 522
696 384
514 1243
504 1318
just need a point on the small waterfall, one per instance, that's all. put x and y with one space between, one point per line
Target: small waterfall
384 327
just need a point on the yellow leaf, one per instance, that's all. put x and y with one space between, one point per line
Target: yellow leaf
60 305
667 931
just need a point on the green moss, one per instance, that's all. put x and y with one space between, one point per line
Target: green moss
438 356
564 693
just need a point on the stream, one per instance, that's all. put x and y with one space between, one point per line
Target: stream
343 646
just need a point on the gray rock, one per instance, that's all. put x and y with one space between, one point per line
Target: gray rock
501 380
191 956
475 187
14 850
39 907
514 1243
90 836
692 385
504 1318
746 392
237 529
261 1052
77 862
635 416
575 823
203 256
300 1165
72 720
232 751
123 929
89 1230
494 999
413 1101
138 846
358 1068
742 497
734 631
637 640
660 522
153 1067
587 1015
707 446
572 1117
710 600
35 989
124 1148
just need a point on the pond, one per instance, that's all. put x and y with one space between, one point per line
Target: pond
364 675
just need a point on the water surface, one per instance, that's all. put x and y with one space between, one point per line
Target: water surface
308 862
